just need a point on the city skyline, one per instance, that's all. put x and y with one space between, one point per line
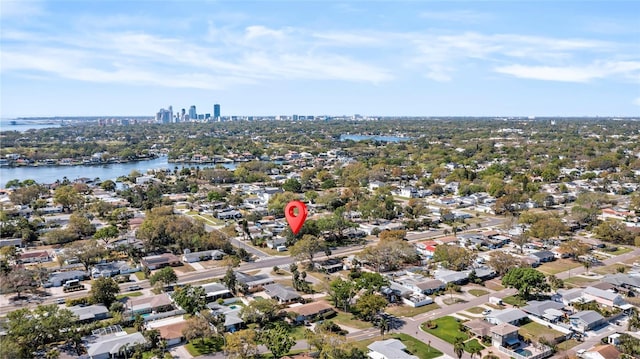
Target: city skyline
375 58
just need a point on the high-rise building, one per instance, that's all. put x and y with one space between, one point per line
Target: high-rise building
192 112
216 111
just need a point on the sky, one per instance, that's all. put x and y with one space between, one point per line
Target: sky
374 58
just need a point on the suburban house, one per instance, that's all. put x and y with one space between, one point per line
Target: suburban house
148 304
511 316
192 257
112 345
330 265
232 320
90 313
311 311
479 327
231 214
504 335
586 320
543 256
252 283
170 329
625 281
34 257
281 293
388 349
568 296
58 279
111 269
546 309
421 284
604 297
160 261
607 351
215 291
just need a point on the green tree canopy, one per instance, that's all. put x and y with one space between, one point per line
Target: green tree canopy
527 281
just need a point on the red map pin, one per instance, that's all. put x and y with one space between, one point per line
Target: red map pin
295 220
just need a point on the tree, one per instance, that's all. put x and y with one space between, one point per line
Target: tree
454 257
554 282
81 225
306 248
501 262
586 264
260 311
458 347
384 326
389 255
18 280
191 298
242 344
520 240
526 280
104 290
574 248
368 306
68 197
32 330
634 320
292 185
230 280
86 252
277 340
371 282
396 234
473 350
108 185
197 327
342 292
165 275
106 234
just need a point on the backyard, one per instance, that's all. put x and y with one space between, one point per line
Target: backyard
448 329
558 266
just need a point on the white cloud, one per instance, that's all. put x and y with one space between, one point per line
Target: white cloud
574 73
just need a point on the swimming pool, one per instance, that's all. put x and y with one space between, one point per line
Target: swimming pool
523 352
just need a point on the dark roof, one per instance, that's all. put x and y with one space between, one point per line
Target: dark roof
543 254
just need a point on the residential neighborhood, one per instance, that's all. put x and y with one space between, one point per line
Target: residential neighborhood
395 260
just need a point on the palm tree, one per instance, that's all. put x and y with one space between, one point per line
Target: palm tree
586 264
634 320
475 350
458 347
384 326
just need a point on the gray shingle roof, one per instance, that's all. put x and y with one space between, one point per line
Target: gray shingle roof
587 316
391 349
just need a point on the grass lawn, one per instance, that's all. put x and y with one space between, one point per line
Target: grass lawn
514 300
347 319
140 275
620 250
493 285
416 347
608 269
558 266
132 294
567 344
475 310
535 330
198 347
407 311
298 332
447 329
478 292
472 344
577 281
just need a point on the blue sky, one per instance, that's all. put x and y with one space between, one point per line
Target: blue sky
416 58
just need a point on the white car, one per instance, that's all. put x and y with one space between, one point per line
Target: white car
580 352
